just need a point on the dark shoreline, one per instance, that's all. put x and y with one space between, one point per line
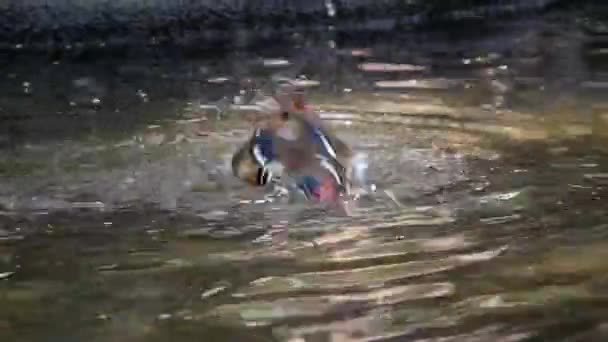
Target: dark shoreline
62 28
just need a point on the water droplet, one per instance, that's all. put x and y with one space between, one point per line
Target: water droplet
331 8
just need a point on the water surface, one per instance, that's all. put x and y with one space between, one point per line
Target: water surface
120 220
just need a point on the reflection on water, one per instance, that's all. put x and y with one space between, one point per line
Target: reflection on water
120 221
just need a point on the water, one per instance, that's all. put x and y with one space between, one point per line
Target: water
121 222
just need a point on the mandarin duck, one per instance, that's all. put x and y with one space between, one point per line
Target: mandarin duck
295 144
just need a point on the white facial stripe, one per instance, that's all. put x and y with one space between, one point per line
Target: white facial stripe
257 152
328 146
259 157
326 165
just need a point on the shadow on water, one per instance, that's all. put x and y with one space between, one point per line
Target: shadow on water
120 220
